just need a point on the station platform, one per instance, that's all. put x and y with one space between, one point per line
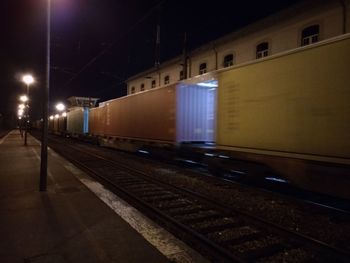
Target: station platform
67 223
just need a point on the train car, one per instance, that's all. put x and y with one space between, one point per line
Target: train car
169 114
51 124
58 124
292 112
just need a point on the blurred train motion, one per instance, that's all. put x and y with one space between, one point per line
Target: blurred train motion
286 114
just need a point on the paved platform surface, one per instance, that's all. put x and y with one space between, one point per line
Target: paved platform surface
67 223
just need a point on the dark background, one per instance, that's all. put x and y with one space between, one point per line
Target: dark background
97 44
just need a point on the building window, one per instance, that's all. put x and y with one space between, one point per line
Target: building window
310 35
202 68
262 50
132 90
153 84
142 88
228 60
166 79
181 75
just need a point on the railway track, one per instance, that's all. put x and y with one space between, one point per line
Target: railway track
219 232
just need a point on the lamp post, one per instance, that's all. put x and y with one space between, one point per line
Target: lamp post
43 162
20 112
28 80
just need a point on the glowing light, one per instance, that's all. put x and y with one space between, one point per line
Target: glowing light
276 179
57 116
20 112
51 117
64 114
209 84
237 172
28 79
60 106
21 106
20 118
23 98
143 151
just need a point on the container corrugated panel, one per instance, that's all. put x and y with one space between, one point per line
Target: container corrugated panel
75 121
195 113
97 120
297 102
56 124
148 115
51 122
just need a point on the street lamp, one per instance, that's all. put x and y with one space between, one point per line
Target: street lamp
28 80
23 98
43 162
60 106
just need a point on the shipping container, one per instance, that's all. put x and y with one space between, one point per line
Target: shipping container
297 102
78 120
55 125
97 120
175 113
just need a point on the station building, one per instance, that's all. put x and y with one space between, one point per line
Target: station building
299 25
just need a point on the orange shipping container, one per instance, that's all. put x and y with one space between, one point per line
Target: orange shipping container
175 113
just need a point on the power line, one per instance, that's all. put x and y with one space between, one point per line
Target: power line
99 55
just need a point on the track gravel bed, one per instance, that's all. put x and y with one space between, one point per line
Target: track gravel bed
250 242
332 228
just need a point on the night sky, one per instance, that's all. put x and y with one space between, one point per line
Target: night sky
98 44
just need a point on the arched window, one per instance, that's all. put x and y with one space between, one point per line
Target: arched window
228 60
166 79
142 88
262 50
202 68
132 90
310 35
153 84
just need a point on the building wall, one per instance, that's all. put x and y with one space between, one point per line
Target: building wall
283 35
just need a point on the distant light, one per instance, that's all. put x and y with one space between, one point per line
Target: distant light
60 106
23 98
64 114
237 172
143 151
28 79
209 154
20 118
20 112
189 161
276 179
57 116
21 106
209 84
224 156
51 117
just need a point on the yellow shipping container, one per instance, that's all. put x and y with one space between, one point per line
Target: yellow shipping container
297 102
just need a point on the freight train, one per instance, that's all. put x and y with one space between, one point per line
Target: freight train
289 112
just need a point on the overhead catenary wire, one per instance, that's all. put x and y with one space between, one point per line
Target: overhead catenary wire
109 47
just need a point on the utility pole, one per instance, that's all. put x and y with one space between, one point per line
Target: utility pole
43 163
157 51
184 62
